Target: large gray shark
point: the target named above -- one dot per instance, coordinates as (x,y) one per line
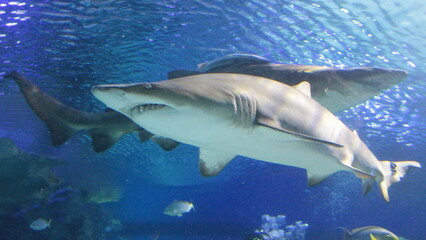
(335,88)
(231,114)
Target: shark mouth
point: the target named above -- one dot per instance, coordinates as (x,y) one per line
(139,109)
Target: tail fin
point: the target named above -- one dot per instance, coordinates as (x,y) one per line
(49,222)
(46,108)
(394,171)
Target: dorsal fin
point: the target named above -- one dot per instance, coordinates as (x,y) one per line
(231,61)
(212,162)
(304,87)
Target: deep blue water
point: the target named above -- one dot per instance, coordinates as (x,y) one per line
(65,47)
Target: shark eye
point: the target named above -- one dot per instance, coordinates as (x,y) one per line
(147,85)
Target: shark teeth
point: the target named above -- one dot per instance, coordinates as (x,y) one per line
(146,107)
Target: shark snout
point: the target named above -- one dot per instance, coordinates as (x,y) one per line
(106,88)
(110,95)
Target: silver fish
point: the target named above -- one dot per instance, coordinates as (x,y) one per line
(177,208)
(40,224)
(369,233)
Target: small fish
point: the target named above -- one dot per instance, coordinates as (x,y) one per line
(40,224)
(177,208)
(369,233)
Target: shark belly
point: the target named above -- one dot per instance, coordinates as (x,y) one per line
(221,135)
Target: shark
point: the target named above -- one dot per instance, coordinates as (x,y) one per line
(226,115)
(104,128)
(336,89)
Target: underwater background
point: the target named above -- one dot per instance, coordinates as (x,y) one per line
(66,47)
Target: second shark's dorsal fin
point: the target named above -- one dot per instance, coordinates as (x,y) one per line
(212,162)
(270,123)
(304,87)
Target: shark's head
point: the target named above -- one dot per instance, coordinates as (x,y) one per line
(135,99)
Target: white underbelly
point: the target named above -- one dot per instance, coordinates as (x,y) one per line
(259,142)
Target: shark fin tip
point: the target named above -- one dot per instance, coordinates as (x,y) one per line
(166,144)
(101,141)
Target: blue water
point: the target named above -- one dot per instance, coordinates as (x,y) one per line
(65,47)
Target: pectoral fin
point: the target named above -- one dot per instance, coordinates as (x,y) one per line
(166,144)
(359,173)
(103,140)
(270,123)
(314,179)
(212,162)
(144,135)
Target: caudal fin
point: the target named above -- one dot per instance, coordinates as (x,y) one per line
(47,109)
(394,171)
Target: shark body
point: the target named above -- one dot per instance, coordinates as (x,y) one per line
(336,89)
(226,115)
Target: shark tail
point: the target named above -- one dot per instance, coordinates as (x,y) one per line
(394,172)
(49,223)
(47,109)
